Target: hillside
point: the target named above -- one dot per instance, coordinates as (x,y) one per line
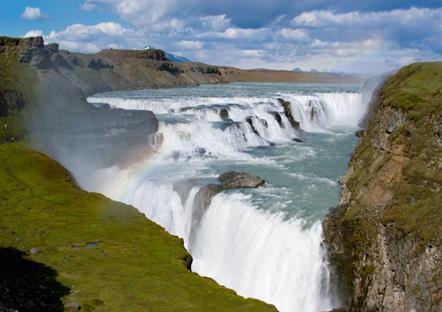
(61,246)
(385,237)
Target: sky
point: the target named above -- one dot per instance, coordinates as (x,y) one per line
(370,36)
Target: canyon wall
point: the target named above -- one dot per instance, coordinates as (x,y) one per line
(384,238)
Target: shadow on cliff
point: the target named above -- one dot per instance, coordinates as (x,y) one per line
(26,285)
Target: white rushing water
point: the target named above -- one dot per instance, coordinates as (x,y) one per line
(263,243)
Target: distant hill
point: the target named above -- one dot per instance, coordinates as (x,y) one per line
(172,57)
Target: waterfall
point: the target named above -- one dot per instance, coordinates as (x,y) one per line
(262,256)
(245,240)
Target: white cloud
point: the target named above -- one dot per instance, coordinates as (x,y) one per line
(293,34)
(407,17)
(252,53)
(137,12)
(215,22)
(33,33)
(31,13)
(324,40)
(190,45)
(81,31)
(246,33)
(92,38)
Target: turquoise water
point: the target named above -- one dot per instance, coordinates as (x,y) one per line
(302,177)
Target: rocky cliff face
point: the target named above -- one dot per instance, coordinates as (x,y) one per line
(385,237)
(58,118)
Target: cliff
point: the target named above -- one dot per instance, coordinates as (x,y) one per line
(385,237)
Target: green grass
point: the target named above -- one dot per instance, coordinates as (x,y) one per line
(416,89)
(21,79)
(136,266)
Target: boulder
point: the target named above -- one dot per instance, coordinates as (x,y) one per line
(234,179)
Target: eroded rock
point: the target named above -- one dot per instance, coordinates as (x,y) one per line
(234,179)
(229,180)
(288,113)
(224,114)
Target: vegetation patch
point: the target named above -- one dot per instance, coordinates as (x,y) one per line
(109,256)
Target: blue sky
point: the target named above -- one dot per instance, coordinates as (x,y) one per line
(353,36)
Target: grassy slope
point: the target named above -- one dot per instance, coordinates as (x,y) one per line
(21,78)
(136,265)
(416,206)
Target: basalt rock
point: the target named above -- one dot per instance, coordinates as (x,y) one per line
(249,120)
(313,113)
(278,118)
(288,113)
(229,180)
(234,179)
(224,114)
